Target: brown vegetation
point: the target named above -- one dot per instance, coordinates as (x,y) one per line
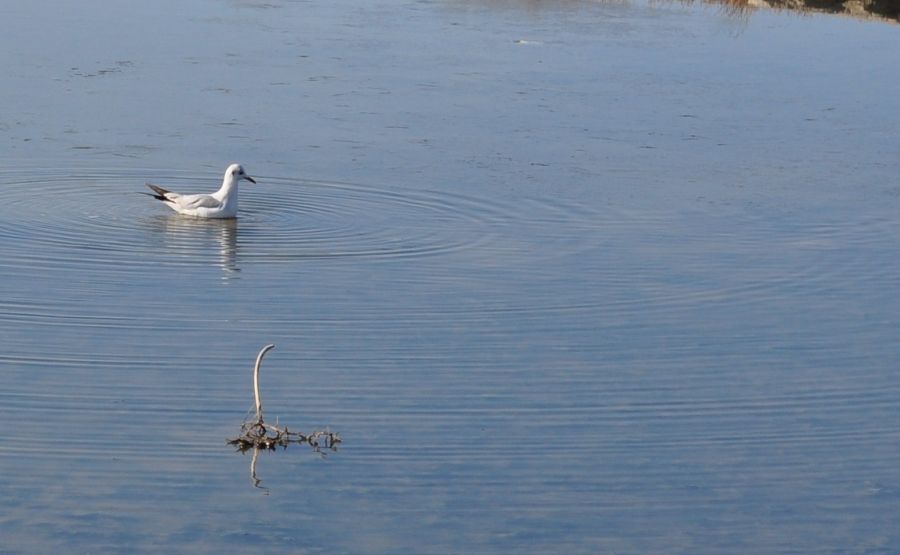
(882,9)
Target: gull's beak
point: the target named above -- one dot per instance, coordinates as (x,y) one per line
(250,179)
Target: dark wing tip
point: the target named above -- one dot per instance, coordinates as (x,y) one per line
(160,192)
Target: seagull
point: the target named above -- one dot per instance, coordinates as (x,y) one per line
(221,204)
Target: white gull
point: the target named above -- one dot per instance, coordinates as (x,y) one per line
(221,204)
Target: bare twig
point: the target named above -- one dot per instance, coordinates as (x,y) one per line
(259,357)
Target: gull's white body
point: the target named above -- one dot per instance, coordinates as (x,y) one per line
(221,204)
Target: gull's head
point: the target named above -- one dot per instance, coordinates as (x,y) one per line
(236,172)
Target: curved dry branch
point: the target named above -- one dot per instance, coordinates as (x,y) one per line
(259,357)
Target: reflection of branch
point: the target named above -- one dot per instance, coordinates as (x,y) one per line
(256,481)
(257,434)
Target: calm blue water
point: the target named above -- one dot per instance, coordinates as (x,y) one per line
(567,277)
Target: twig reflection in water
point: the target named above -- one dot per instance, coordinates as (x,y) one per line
(257,434)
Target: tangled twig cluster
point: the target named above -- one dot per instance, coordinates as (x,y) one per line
(266,436)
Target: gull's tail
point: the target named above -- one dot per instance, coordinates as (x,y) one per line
(160,192)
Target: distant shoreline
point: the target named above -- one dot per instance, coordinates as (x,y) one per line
(882,9)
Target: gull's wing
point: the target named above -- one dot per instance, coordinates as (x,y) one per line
(191,202)
(185,202)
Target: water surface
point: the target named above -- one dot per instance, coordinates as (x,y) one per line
(565,276)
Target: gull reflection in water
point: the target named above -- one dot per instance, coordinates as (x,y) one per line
(202,239)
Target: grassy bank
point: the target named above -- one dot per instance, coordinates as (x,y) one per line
(883,9)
